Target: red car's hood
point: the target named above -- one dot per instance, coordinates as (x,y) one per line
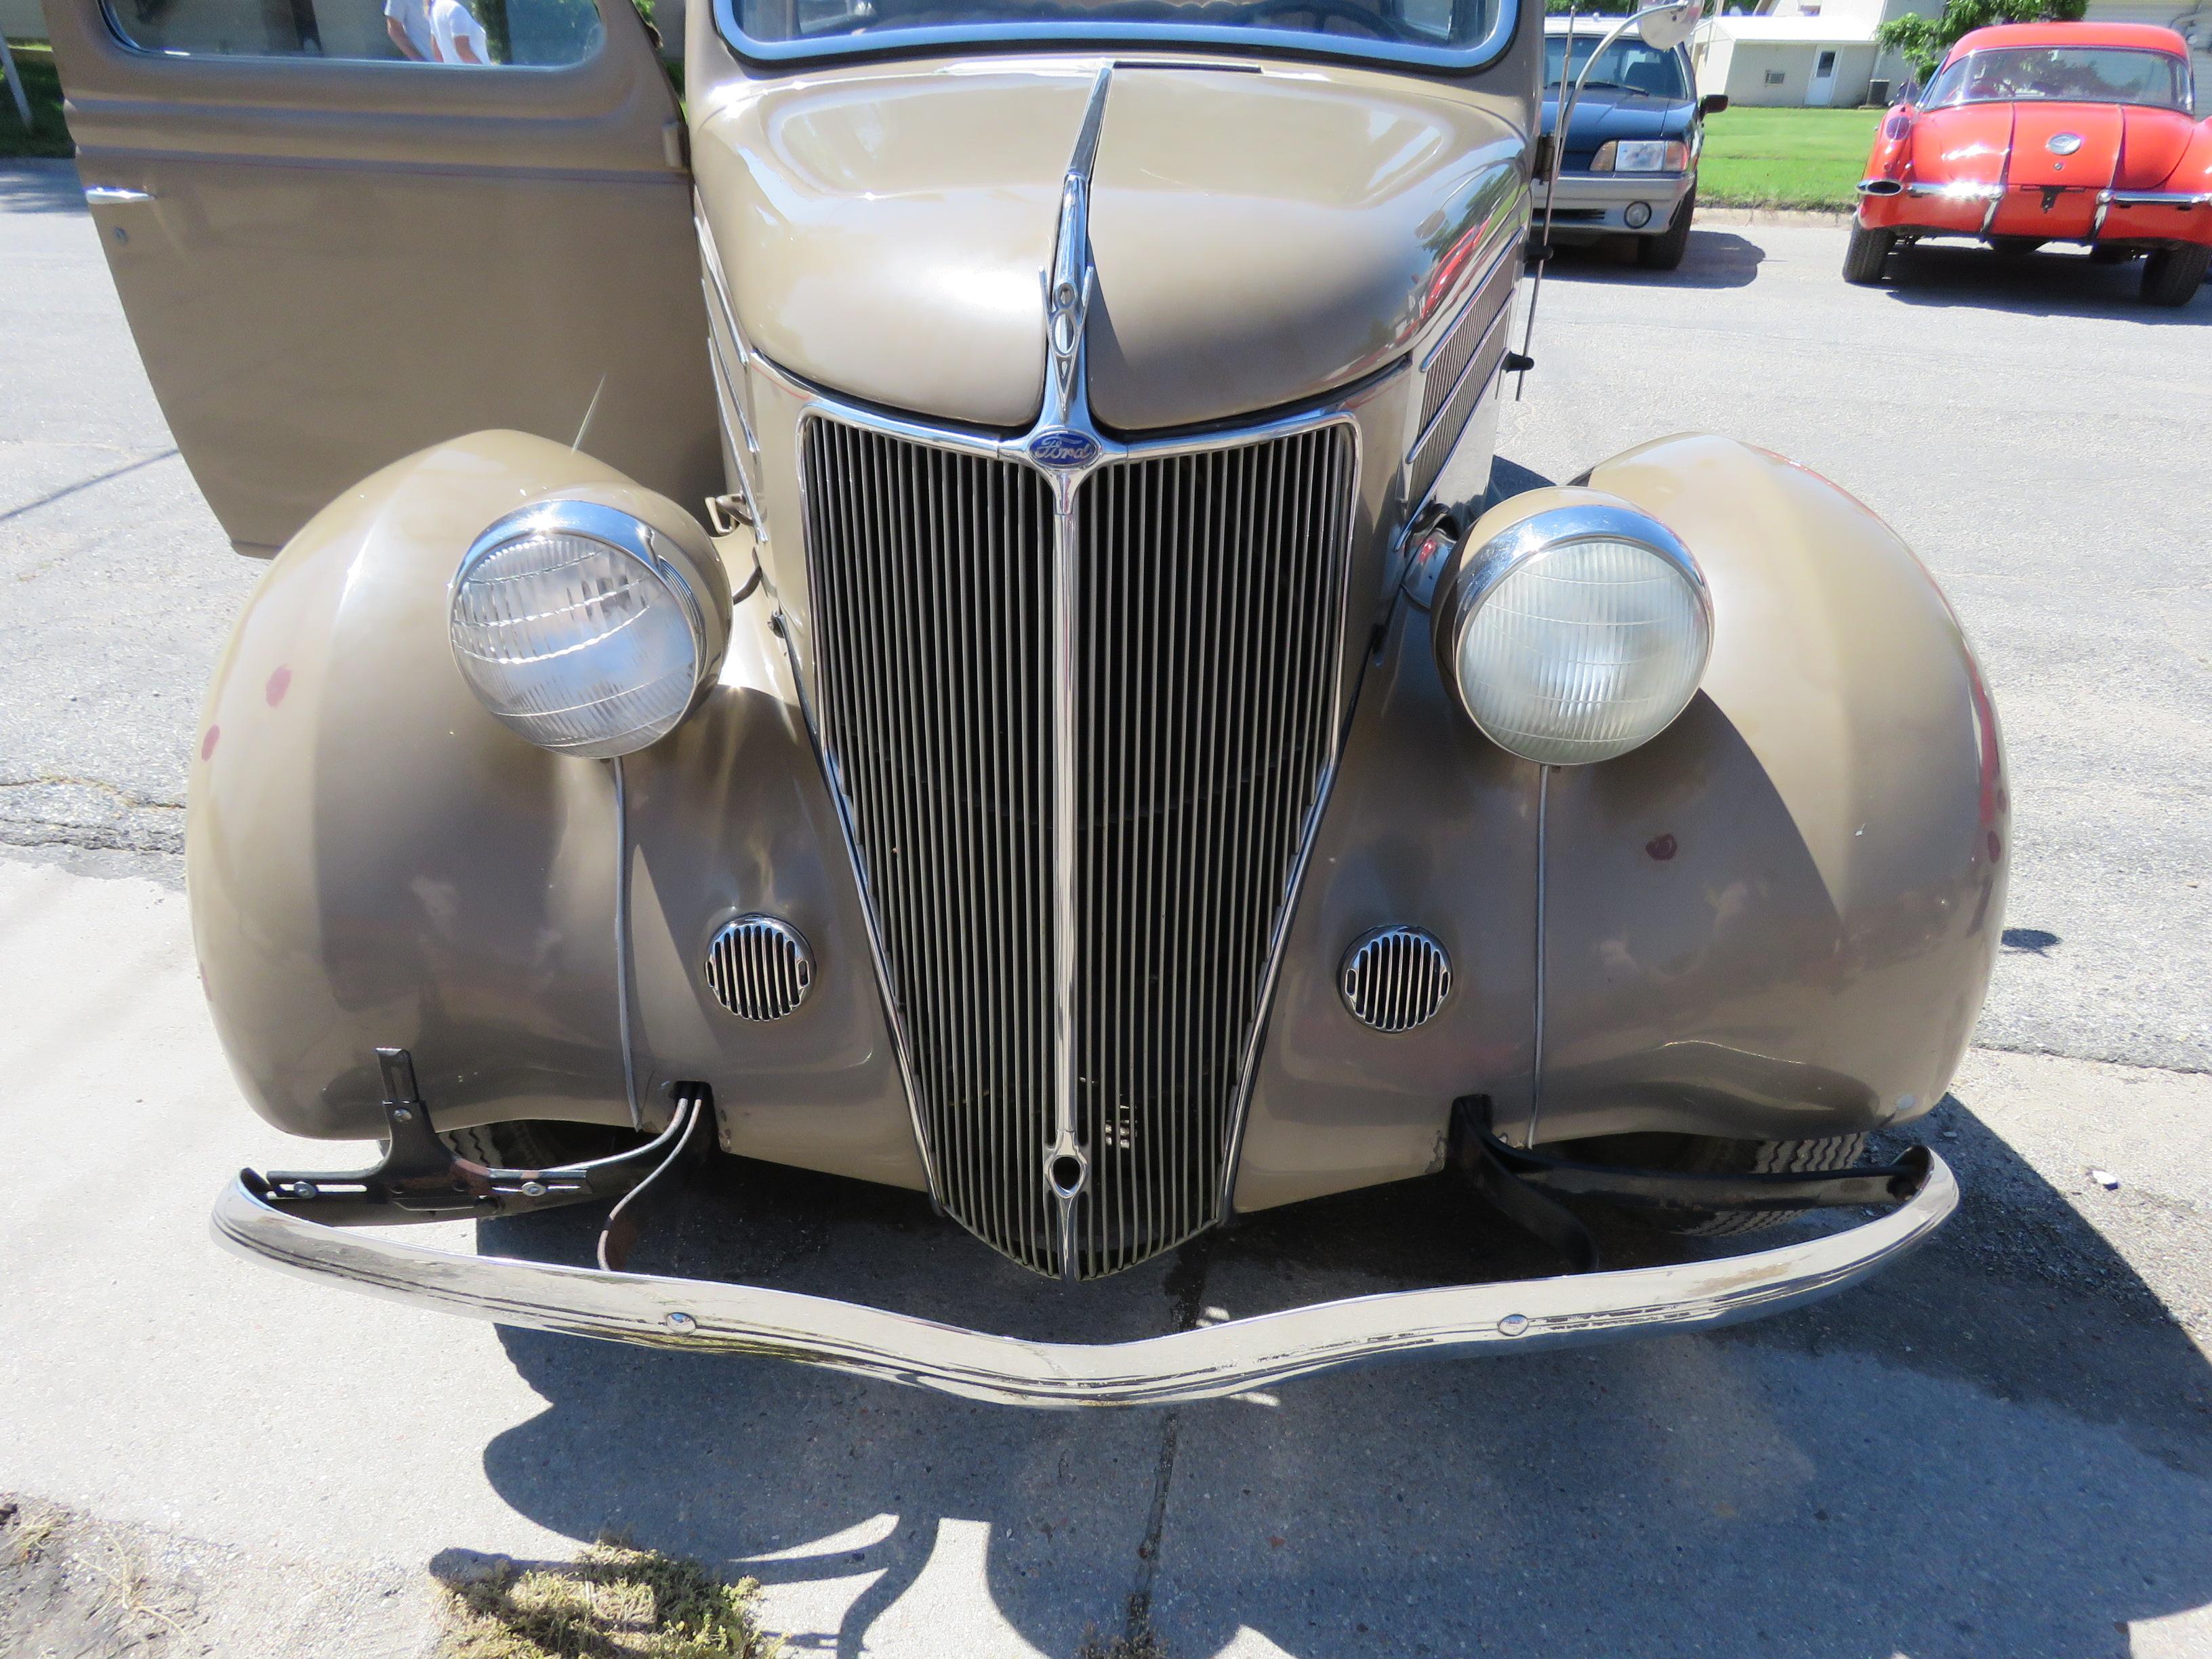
(2129,145)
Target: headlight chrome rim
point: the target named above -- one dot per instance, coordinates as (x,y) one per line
(676,570)
(1482,568)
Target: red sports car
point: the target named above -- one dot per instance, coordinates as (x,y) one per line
(2050,132)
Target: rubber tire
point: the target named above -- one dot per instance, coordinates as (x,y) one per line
(1866,256)
(2173,275)
(2109,253)
(534,1144)
(2017,247)
(1664,252)
(1703,1155)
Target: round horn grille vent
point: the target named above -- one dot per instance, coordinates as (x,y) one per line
(759,968)
(1396,978)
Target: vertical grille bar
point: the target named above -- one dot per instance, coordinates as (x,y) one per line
(929,572)
(1213,618)
(1208,593)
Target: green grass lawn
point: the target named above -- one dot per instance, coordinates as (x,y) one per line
(47,136)
(1786,157)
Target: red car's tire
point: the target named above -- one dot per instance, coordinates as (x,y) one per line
(2017,247)
(2173,275)
(2111,253)
(1868,256)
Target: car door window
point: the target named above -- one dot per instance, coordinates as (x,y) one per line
(460,33)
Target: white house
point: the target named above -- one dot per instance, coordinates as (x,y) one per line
(1806,53)
(2193,22)
(1822,52)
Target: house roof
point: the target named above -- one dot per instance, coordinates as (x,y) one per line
(1802,31)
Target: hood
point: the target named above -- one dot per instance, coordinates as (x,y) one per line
(1259,237)
(1603,114)
(2129,146)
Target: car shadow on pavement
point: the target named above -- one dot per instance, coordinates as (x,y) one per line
(2002,1444)
(39,187)
(1717,258)
(2049,282)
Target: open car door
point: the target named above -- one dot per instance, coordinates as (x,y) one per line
(346,229)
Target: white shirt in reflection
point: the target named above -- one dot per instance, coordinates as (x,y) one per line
(436,31)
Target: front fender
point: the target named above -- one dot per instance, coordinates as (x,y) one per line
(1775,920)
(372,860)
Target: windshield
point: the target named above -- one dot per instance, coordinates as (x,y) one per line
(1445,33)
(2082,75)
(1628,65)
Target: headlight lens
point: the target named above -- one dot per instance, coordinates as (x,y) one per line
(584,628)
(1576,632)
(1641,155)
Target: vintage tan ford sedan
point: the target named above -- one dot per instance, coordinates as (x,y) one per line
(938,612)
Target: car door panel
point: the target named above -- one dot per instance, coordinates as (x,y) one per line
(331,264)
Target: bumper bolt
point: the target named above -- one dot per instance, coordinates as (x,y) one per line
(681,1323)
(1513,1325)
(303,1189)
(533,1189)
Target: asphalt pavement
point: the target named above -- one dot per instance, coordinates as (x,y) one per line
(2001,1447)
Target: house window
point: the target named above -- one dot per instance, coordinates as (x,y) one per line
(1825,67)
(1775,77)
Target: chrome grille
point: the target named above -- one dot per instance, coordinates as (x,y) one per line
(759,968)
(1395,979)
(1208,633)
(930,572)
(1440,433)
(1451,356)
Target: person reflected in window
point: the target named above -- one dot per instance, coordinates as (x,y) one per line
(436,32)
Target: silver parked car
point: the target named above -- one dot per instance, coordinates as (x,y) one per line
(1629,162)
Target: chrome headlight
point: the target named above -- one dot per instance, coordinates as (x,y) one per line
(587,629)
(1575,631)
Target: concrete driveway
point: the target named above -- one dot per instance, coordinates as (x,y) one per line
(2004,1447)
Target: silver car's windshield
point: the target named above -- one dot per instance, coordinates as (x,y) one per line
(1628,65)
(1443,34)
(2084,75)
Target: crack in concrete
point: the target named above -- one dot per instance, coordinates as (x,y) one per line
(91,837)
(1185,1283)
(116,791)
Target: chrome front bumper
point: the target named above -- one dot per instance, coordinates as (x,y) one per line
(700,1316)
(1597,202)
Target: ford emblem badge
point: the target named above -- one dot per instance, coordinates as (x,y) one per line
(2063,143)
(1060,448)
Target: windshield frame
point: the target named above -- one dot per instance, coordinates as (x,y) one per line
(1024,40)
(2186,71)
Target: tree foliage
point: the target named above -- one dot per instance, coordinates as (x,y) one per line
(1922,41)
(1591,8)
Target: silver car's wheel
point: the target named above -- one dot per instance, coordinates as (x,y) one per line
(1664,252)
